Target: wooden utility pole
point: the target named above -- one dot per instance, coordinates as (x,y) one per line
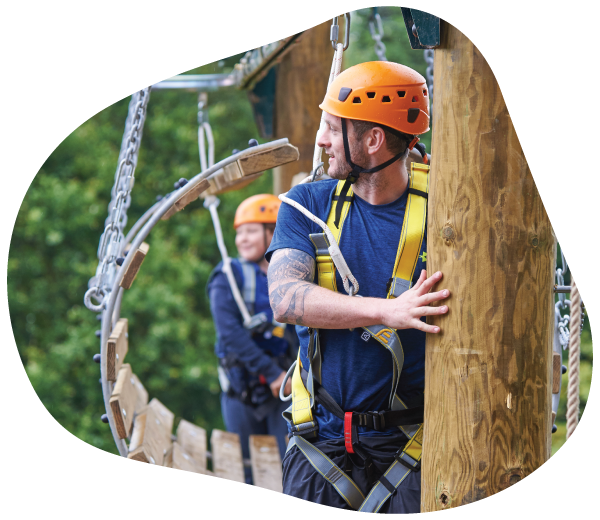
(488,373)
(302,79)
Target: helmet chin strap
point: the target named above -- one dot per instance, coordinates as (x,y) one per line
(357,170)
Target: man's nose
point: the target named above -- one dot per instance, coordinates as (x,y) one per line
(323,139)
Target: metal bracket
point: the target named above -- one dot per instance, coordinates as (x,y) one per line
(423,28)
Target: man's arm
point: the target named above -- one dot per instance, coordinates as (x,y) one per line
(295,299)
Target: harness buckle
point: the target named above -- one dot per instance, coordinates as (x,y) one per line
(378,419)
(407,461)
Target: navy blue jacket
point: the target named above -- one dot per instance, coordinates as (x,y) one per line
(254,352)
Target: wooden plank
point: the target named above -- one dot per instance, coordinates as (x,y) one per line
(186,199)
(123,400)
(227,455)
(180,459)
(262,161)
(247,169)
(192,439)
(141,394)
(556,372)
(266,462)
(488,372)
(154,442)
(134,266)
(116,349)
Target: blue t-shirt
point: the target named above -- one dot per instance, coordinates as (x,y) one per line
(357,374)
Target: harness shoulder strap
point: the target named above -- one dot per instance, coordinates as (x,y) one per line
(249,284)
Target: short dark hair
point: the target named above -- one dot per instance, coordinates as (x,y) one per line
(396,142)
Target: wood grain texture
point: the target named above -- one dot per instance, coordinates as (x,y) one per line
(141,394)
(302,79)
(178,458)
(266,462)
(227,455)
(116,349)
(192,439)
(134,267)
(488,373)
(152,434)
(556,372)
(123,400)
(186,199)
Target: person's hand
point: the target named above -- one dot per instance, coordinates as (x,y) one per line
(276,385)
(405,311)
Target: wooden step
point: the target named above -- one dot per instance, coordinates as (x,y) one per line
(134,267)
(192,439)
(186,199)
(227,455)
(178,458)
(266,462)
(116,349)
(151,436)
(123,400)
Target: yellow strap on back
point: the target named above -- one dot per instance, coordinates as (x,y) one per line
(301,405)
(413,227)
(414,447)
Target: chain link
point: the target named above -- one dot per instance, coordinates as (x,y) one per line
(376,30)
(562,305)
(111,240)
(428,55)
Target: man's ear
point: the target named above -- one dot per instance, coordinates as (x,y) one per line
(375,140)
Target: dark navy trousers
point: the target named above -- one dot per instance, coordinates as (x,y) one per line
(301,480)
(240,418)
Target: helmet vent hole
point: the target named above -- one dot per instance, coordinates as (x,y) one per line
(401,93)
(356,100)
(386,99)
(425,92)
(415,99)
(370,95)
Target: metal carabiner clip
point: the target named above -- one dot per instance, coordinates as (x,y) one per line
(335,32)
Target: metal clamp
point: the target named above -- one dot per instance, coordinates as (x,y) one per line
(335,32)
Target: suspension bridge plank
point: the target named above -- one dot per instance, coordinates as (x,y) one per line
(152,434)
(266,462)
(123,401)
(192,439)
(262,161)
(134,266)
(186,199)
(227,455)
(116,349)
(178,458)
(141,394)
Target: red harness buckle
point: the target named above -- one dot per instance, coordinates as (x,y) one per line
(348,432)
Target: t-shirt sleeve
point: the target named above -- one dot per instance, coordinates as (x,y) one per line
(293,227)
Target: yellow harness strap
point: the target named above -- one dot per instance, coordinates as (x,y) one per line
(301,398)
(413,229)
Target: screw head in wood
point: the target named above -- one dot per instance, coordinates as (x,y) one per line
(98,333)
(554,428)
(104,418)
(159,198)
(96,358)
(182,182)
(563,369)
(119,261)
(252,142)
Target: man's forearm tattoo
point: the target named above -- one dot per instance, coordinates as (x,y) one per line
(291,274)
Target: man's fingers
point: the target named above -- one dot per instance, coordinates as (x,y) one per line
(431,311)
(426,286)
(418,324)
(422,278)
(428,298)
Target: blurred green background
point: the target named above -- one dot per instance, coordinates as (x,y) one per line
(55,239)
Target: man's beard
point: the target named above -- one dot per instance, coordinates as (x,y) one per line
(342,168)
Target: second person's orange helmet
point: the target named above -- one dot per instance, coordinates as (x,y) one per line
(381,92)
(261,209)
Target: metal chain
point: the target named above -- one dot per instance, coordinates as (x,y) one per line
(562,308)
(377,34)
(428,55)
(111,240)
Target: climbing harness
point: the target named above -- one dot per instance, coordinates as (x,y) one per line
(306,385)
(111,241)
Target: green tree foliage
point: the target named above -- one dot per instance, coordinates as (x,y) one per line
(55,239)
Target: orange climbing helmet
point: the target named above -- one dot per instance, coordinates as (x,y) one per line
(381,92)
(261,208)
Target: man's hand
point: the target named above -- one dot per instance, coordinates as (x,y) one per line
(276,385)
(405,311)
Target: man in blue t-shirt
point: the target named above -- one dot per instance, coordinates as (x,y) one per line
(373,113)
